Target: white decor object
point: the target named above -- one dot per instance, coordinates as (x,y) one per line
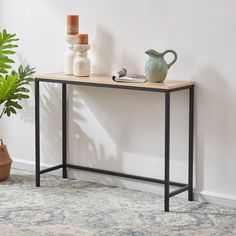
(81,62)
(70,54)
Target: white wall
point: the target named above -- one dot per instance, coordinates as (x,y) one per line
(123,130)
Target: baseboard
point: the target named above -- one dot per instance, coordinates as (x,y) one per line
(30,166)
(218,198)
(99,178)
(203,196)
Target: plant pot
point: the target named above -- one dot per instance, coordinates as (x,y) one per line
(5,162)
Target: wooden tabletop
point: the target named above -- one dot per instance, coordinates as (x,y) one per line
(106,81)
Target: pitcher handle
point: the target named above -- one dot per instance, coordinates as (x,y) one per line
(174,59)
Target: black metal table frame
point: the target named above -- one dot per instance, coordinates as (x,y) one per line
(167,194)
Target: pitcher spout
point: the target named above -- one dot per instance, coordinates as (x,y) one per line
(152,52)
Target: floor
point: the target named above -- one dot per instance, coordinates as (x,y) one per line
(70,207)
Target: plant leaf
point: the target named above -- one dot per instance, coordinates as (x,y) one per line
(6,49)
(13,85)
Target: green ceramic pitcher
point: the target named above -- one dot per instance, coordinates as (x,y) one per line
(156,67)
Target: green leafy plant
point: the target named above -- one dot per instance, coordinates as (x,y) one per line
(13,85)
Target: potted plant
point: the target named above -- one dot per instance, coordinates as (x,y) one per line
(13,89)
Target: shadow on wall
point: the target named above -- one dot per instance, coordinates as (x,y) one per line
(103,52)
(27,113)
(117,133)
(85,147)
(50,121)
(215,137)
(50,125)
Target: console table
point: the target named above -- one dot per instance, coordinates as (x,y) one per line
(167,88)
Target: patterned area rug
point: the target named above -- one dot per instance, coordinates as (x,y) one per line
(70,207)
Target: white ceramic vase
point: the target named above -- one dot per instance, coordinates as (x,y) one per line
(81,66)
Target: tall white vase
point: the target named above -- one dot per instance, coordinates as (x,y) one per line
(81,62)
(70,54)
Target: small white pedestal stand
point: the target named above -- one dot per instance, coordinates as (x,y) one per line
(81,62)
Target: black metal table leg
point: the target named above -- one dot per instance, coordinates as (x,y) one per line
(190,155)
(64,132)
(167,150)
(37,134)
